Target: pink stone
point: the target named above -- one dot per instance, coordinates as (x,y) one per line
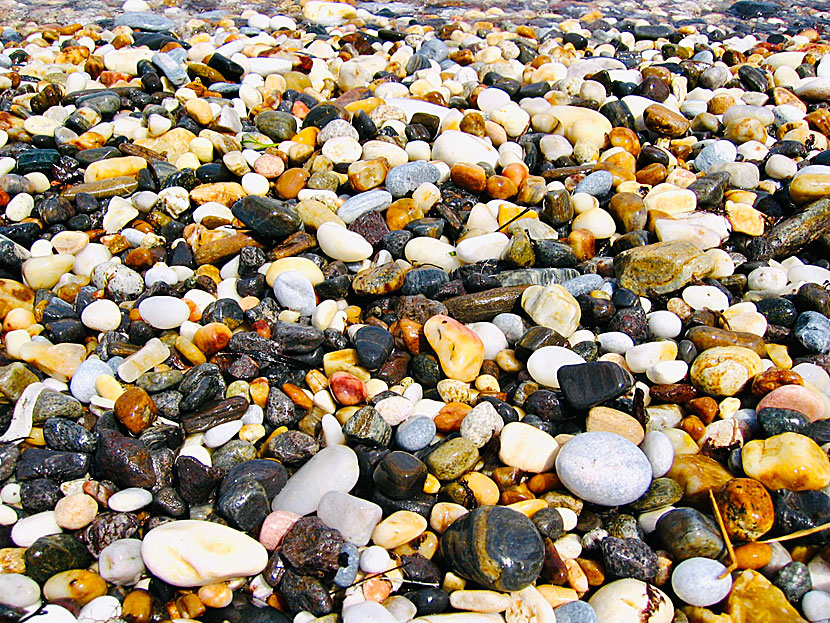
(274,527)
(269,166)
(347,388)
(794,397)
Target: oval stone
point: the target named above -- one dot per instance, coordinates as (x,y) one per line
(603,468)
(495,547)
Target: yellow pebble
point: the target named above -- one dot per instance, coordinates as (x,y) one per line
(528,508)
(431,484)
(506,360)
(259,388)
(779,355)
(487,383)
(307,136)
(728,407)
(108,387)
(238,388)
(453,582)
(252,432)
(189,351)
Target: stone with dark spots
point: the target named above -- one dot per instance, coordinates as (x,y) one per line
(629,558)
(494,546)
(312,548)
(107,528)
(304,593)
(245,504)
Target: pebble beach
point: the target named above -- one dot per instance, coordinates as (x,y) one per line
(429,312)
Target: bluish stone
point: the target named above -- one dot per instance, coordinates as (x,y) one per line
(346,574)
(363,202)
(575,612)
(583,284)
(597,184)
(405,178)
(425,280)
(718,151)
(434,49)
(415,433)
(812,329)
(588,384)
(145,21)
(171,68)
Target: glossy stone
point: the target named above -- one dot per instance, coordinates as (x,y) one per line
(593,383)
(495,547)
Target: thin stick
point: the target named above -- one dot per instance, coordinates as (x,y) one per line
(799,534)
(726,539)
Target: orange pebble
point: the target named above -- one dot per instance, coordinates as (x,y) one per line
(215,595)
(517,171)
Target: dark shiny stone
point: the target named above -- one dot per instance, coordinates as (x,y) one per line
(40,494)
(55,553)
(778,311)
(399,475)
(368,427)
(801,510)
(557,207)
(63,434)
(429,600)
(495,547)
(373,345)
(322,114)
(268,217)
(426,370)
(52,464)
(549,523)
(687,533)
(426,227)
(535,338)
(631,321)
(215,413)
(588,384)
(107,528)
(661,492)
(293,447)
(305,593)
(794,580)
(40,160)
(233,453)
(752,78)
(124,460)
(245,504)
(196,480)
(545,404)
(776,421)
(653,88)
(55,209)
(9,455)
(553,254)
(628,558)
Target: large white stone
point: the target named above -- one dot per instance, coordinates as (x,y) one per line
(543,365)
(354,517)
(195,552)
(454,146)
(332,469)
(341,244)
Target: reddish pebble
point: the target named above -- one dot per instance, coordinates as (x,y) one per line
(269,166)
(347,388)
(274,527)
(794,397)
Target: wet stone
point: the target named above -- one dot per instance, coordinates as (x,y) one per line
(495,547)
(629,558)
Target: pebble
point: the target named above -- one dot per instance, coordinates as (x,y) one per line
(603,468)
(698,582)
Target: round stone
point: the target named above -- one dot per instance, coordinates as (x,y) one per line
(102,315)
(603,468)
(698,581)
(120,562)
(164,312)
(18,591)
(631,601)
(494,546)
(76,511)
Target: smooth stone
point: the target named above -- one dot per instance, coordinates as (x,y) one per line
(795,398)
(812,329)
(688,533)
(631,601)
(120,562)
(29,529)
(527,448)
(353,517)
(18,591)
(543,364)
(164,312)
(453,146)
(195,553)
(603,468)
(724,370)
(659,450)
(495,547)
(697,581)
(332,469)
(754,599)
(787,461)
(662,267)
(552,306)
(460,350)
(341,244)
(588,384)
